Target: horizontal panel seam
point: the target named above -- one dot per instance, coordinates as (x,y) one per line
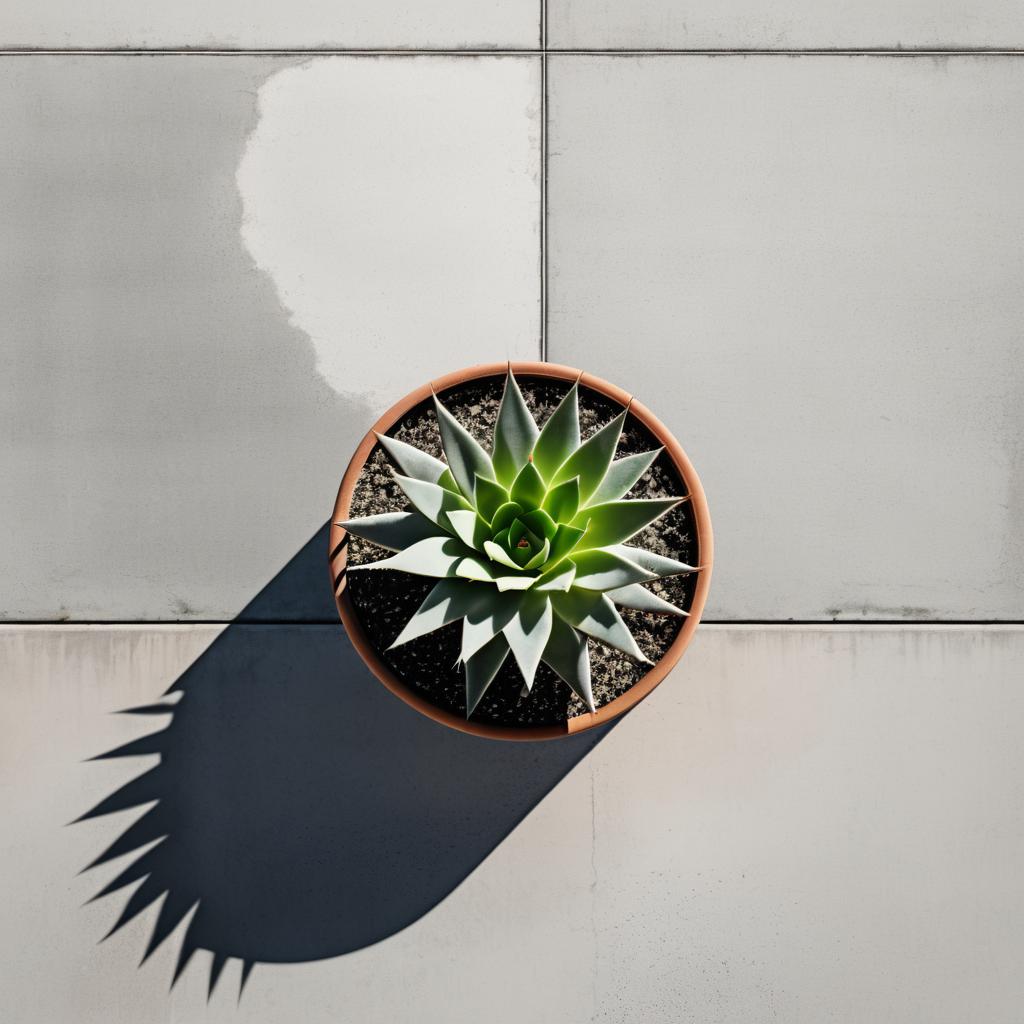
(127,51)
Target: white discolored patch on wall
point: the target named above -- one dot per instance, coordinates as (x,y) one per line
(395,203)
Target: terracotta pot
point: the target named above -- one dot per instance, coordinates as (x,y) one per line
(338,551)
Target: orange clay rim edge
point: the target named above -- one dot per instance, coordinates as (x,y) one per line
(338,554)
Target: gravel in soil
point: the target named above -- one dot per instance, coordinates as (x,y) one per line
(386,600)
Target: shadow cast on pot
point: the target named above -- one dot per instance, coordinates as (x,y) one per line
(305,810)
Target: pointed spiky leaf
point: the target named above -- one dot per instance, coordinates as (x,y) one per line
(606,570)
(505,516)
(567,538)
(481,670)
(558,579)
(435,556)
(657,564)
(411,461)
(469,528)
(594,614)
(528,487)
(636,596)
(488,572)
(621,476)
(504,583)
(527,634)
(496,553)
(616,521)
(466,459)
(489,497)
(393,530)
(486,621)
(447,481)
(515,434)
(432,500)
(450,599)
(563,500)
(566,653)
(540,557)
(559,437)
(540,523)
(591,460)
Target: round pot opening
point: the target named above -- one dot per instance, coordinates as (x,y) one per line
(374,606)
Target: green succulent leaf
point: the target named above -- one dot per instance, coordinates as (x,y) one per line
(594,613)
(505,516)
(466,459)
(591,460)
(489,497)
(616,521)
(469,528)
(481,670)
(472,568)
(540,523)
(605,570)
(527,634)
(621,476)
(394,530)
(515,434)
(504,583)
(540,557)
(558,579)
(451,599)
(563,500)
(566,540)
(497,553)
(435,556)
(411,461)
(522,543)
(528,487)
(636,596)
(447,481)
(431,500)
(566,652)
(657,564)
(485,621)
(559,437)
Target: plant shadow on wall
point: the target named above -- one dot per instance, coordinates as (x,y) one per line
(307,811)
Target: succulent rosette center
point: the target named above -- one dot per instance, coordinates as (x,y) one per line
(527,541)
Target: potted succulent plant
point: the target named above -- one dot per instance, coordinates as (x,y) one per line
(520,550)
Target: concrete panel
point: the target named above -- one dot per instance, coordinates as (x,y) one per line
(792,24)
(810,268)
(802,823)
(215,274)
(268,24)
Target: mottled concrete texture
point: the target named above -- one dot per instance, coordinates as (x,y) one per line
(269,24)
(801,824)
(176,418)
(810,268)
(789,24)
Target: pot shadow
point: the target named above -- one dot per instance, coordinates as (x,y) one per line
(306,810)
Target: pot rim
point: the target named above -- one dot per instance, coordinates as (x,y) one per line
(338,553)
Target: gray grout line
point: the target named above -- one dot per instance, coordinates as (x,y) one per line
(544,181)
(543,52)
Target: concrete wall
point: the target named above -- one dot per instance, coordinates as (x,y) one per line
(228,240)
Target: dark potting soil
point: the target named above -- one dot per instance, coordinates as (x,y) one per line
(386,600)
